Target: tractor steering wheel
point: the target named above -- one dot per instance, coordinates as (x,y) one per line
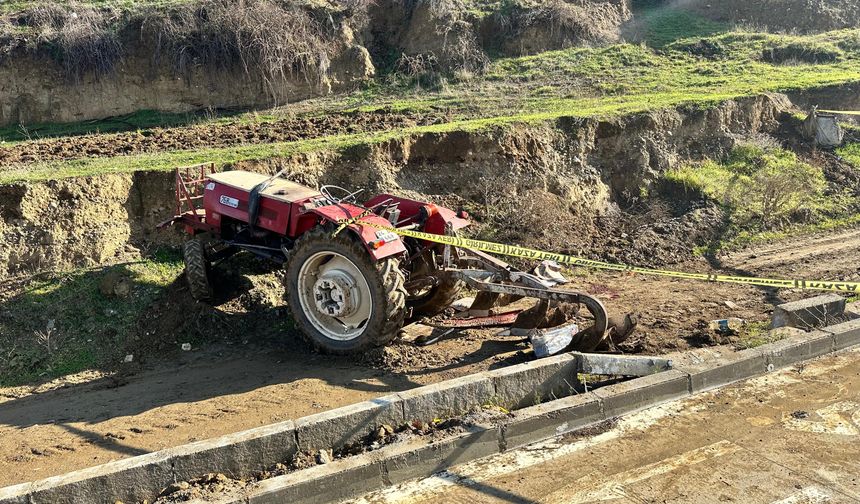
(347,195)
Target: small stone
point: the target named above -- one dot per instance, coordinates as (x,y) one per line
(732,305)
(122,289)
(324,457)
(176,487)
(128,358)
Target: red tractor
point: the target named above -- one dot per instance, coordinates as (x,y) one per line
(349,287)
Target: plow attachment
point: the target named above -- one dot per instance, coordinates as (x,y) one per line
(561,321)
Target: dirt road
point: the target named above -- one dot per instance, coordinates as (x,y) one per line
(789,437)
(90,419)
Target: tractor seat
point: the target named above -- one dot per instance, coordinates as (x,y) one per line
(280,189)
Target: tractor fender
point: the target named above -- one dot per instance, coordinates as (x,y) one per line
(367,234)
(441,219)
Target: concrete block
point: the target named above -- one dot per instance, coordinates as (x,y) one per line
(446,399)
(16,494)
(418,459)
(621,365)
(846,334)
(409,460)
(739,366)
(129,480)
(796,348)
(236,455)
(646,391)
(341,479)
(342,426)
(550,419)
(809,313)
(477,442)
(541,380)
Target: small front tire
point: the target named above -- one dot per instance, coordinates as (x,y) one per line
(197,270)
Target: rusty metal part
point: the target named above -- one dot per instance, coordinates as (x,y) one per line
(497,281)
(501,319)
(483,281)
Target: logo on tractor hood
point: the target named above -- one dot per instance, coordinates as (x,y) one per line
(228,201)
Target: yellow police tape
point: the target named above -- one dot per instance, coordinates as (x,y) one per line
(841,112)
(539,255)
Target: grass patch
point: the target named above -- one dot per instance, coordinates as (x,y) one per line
(850,153)
(14,6)
(767,194)
(660,26)
(755,334)
(143,119)
(62,323)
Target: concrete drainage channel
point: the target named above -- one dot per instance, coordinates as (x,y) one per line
(241,454)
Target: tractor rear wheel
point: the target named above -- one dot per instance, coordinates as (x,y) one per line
(197,270)
(342,299)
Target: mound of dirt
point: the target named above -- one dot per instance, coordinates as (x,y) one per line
(788,15)
(530,28)
(450,35)
(801,53)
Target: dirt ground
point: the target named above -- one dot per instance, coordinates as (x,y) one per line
(246,381)
(788,437)
(232,133)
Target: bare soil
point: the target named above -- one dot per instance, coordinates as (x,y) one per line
(207,136)
(254,371)
(786,437)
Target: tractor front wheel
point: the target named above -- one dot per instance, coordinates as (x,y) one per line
(342,299)
(197,270)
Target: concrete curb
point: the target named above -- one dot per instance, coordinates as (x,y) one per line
(532,424)
(240,454)
(139,478)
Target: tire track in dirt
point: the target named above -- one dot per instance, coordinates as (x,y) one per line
(831,256)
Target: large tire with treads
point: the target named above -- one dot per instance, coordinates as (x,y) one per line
(197,270)
(343,300)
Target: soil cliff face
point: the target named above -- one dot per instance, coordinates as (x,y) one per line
(574,169)
(35,86)
(35,90)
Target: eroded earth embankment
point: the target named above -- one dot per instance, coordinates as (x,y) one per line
(572,168)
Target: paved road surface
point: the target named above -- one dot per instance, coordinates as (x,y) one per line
(791,437)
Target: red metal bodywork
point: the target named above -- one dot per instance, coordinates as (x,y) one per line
(440,217)
(275,215)
(203,204)
(366,232)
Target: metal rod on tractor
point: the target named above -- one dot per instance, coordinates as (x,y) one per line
(351,285)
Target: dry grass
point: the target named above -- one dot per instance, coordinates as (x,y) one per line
(82,39)
(556,24)
(268,40)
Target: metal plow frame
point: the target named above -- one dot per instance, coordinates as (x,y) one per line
(485,273)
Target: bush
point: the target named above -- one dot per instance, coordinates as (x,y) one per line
(781,188)
(762,187)
(264,39)
(82,39)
